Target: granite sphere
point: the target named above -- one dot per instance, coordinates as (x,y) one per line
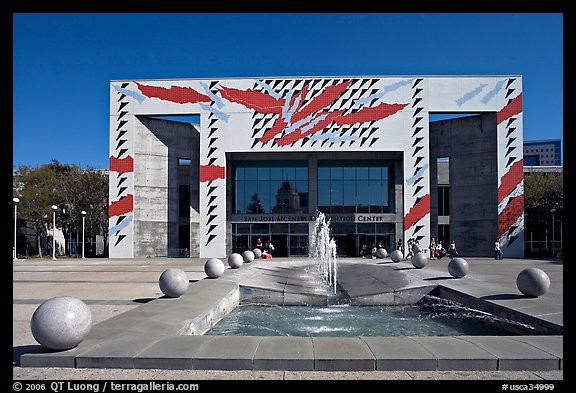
(381,253)
(214,268)
(533,282)
(248,256)
(419,260)
(235,260)
(173,282)
(396,256)
(257,253)
(458,267)
(61,322)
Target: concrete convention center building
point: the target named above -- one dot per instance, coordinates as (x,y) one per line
(268,152)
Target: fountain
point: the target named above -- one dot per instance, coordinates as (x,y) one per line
(322,250)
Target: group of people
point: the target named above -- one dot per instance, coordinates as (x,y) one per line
(436,249)
(266,249)
(373,252)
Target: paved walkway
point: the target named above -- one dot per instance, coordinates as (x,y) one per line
(114,287)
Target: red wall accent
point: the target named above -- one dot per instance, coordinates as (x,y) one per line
(513,108)
(417,211)
(181,95)
(510,214)
(122,206)
(122,165)
(211,172)
(511,179)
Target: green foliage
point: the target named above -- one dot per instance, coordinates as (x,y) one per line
(70,188)
(543,191)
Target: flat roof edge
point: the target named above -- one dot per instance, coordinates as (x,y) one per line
(323,77)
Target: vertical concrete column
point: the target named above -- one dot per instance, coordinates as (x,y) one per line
(312,185)
(399,199)
(122,172)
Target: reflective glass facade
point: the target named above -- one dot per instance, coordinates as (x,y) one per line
(355,187)
(265,187)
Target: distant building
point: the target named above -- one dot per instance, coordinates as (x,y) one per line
(542,152)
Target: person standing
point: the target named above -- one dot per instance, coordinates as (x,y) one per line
(432,248)
(410,252)
(452,251)
(364,250)
(259,244)
(399,246)
(497,250)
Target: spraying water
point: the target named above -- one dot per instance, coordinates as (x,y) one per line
(322,249)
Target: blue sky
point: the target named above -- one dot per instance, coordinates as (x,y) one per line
(63,63)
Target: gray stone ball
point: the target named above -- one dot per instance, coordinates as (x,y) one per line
(248,256)
(214,268)
(419,260)
(235,260)
(381,253)
(173,282)
(61,322)
(396,256)
(257,253)
(533,282)
(458,267)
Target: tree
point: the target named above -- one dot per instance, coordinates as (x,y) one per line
(255,206)
(70,188)
(543,191)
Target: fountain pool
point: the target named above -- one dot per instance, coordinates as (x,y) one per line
(351,321)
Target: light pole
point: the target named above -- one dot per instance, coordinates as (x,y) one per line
(552,211)
(83,222)
(14,253)
(54,208)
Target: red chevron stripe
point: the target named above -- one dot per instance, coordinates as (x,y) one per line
(511,179)
(122,206)
(181,95)
(510,214)
(211,172)
(513,108)
(122,165)
(417,211)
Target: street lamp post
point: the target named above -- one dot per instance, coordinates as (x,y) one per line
(553,211)
(54,208)
(14,252)
(83,223)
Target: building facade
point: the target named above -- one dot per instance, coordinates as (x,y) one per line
(270,152)
(547,152)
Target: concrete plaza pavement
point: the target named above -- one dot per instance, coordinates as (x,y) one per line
(114,286)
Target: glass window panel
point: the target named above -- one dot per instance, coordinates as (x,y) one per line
(261,229)
(302,185)
(251,173)
(336,192)
(279,228)
(275,173)
(366,228)
(385,173)
(349,193)
(263,173)
(375,196)
(385,228)
(336,173)
(323,173)
(375,173)
(323,192)
(253,204)
(362,193)
(349,173)
(243,228)
(239,173)
(264,195)
(289,173)
(298,228)
(362,173)
(240,200)
(301,173)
